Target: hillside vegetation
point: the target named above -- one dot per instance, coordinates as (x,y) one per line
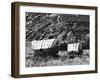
(47,25)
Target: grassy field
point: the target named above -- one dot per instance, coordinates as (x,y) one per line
(64,59)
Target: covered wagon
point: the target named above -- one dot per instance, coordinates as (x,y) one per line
(50,48)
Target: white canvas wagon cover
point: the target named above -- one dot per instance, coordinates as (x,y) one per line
(48,43)
(42,44)
(73,47)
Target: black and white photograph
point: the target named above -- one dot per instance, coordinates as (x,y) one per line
(54,39)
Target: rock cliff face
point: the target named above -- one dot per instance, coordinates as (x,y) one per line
(41,26)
